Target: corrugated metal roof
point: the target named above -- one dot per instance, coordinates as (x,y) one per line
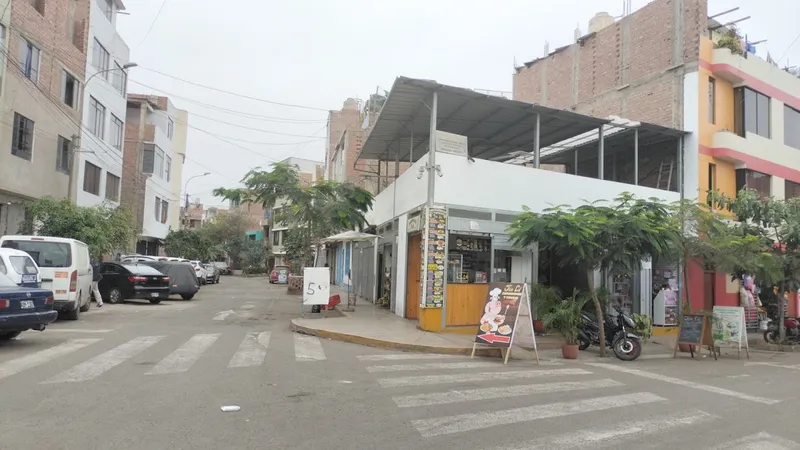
(493,125)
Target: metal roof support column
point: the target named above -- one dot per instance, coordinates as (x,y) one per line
(432,150)
(537,153)
(411,149)
(575,163)
(636,157)
(680,167)
(601,154)
(378,186)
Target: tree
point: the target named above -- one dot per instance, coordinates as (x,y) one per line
(188,243)
(598,236)
(104,229)
(297,245)
(322,209)
(225,234)
(255,257)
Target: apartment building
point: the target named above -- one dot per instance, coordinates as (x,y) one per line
(194,216)
(310,172)
(42,77)
(152,147)
(99,165)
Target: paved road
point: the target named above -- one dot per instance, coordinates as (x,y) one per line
(141,376)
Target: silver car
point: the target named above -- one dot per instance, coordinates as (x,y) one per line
(212,273)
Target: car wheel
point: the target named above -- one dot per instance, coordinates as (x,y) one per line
(88,305)
(10,335)
(72,315)
(187,296)
(155,301)
(115,296)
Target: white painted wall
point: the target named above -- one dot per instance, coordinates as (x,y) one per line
(411,192)
(152,227)
(506,187)
(95,149)
(179,142)
(691,144)
(759,69)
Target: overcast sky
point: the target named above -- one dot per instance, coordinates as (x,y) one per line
(317,53)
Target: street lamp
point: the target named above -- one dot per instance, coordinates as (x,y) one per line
(124,67)
(186,191)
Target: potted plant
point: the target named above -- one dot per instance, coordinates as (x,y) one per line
(543,298)
(564,317)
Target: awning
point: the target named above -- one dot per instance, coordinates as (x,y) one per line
(350,236)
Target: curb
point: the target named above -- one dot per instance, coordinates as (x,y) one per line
(402,346)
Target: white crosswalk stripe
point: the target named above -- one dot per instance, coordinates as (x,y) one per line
(252,351)
(185,356)
(308,348)
(542,389)
(26,362)
(103,362)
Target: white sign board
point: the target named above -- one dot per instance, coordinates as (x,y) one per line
(728,328)
(454,144)
(316,285)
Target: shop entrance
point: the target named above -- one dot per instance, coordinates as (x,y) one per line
(413,274)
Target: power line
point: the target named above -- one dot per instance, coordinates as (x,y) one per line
(271,102)
(790,47)
(153,23)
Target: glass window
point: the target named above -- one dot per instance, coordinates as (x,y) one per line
(119,78)
(792,189)
(22,141)
(100,58)
(757,181)
(46,254)
(167,168)
(97,117)
(158,163)
(712,94)
(791,127)
(3,267)
(112,187)
(164,210)
(751,112)
(69,90)
(107,7)
(23,265)
(91,178)
(117,128)
(148,158)
(469,259)
(29,60)
(62,155)
(158,209)
(170,128)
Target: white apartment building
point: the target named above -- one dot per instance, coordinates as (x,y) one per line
(98,163)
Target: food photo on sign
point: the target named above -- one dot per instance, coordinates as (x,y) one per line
(499,313)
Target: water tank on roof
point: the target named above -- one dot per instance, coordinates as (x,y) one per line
(600,21)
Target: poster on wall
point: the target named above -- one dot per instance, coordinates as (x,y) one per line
(433,254)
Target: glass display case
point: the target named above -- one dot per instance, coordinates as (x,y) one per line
(455,268)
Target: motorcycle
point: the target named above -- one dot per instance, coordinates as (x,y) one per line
(773,333)
(625,345)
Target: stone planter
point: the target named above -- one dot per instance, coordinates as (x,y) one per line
(295,285)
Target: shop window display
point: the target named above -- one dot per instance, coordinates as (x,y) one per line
(469,259)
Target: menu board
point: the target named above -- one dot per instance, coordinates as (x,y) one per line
(692,329)
(433,258)
(500,314)
(728,329)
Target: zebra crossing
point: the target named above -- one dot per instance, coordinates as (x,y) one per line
(465,400)
(252,351)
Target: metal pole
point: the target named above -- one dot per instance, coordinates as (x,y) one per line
(432,150)
(636,157)
(575,163)
(536,150)
(680,167)
(601,155)
(411,149)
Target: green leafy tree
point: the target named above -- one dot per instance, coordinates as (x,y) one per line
(323,209)
(104,229)
(255,257)
(600,235)
(188,243)
(225,234)
(297,245)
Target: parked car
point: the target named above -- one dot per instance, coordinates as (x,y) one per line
(212,273)
(182,278)
(138,258)
(279,274)
(23,308)
(126,281)
(20,268)
(199,271)
(223,267)
(65,269)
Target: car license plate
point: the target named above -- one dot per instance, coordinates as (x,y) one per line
(26,304)
(29,278)
(154,295)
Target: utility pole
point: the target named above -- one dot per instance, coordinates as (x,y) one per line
(186,212)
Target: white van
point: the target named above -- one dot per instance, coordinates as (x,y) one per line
(20,268)
(65,269)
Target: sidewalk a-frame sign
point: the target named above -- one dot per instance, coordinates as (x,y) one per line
(506,319)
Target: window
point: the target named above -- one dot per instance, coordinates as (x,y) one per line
(158,163)
(29,60)
(119,78)
(22,141)
(69,90)
(277,237)
(712,95)
(167,168)
(97,117)
(170,128)
(62,155)
(791,127)
(792,189)
(751,112)
(38,5)
(91,178)
(117,128)
(148,158)
(158,209)
(164,211)
(107,7)
(100,58)
(112,187)
(712,176)
(757,181)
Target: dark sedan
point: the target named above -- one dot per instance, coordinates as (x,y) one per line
(126,281)
(23,309)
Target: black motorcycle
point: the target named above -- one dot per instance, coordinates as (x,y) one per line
(626,346)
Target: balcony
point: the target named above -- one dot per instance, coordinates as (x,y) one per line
(755,152)
(754,72)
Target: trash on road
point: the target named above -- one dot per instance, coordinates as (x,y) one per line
(230,408)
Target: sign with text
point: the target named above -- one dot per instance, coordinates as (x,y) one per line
(500,314)
(729,329)
(433,258)
(454,144)
(316,285)
(693,328)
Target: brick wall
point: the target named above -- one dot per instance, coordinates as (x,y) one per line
(133,181)
(633,68)
(338,122)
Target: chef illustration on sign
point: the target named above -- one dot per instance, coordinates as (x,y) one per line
(493,307)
